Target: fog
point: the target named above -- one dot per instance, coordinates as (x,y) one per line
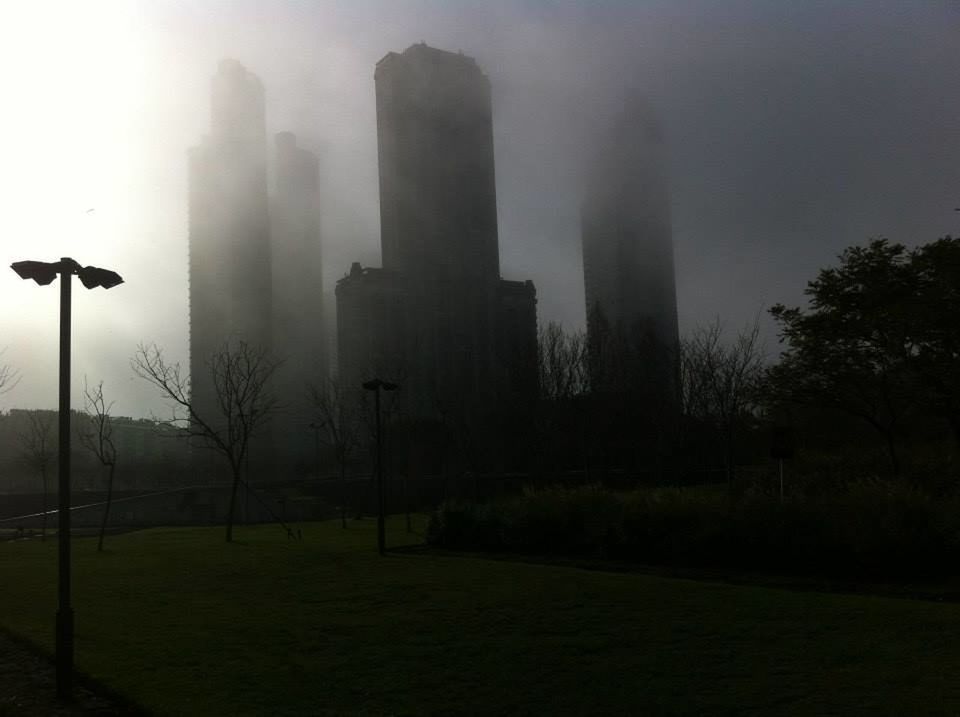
(793,131)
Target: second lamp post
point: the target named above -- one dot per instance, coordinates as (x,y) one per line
(376,385)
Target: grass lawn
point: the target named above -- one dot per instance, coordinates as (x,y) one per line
(182,623)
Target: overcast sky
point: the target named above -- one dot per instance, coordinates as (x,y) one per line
(794,129)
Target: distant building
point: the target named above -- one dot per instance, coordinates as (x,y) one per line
(298,326)
(229,229)
(628,262)
(372,315)
(517,341)
(438,199)
(149,454)
(437,317)
(255,261)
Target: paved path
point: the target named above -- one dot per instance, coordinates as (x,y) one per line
(27,687)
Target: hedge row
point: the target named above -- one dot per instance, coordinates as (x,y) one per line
(874,530)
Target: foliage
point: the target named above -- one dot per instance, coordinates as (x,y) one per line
(879,340)
(870,529)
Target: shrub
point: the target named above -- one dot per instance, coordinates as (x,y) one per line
(868,528)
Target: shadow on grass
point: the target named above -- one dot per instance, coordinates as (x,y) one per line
(90,697)
(932,592)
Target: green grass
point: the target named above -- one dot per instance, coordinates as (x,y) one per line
(182,623)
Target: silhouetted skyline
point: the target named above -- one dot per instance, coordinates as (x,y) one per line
(794,132)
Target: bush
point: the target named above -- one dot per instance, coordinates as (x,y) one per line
(869,528)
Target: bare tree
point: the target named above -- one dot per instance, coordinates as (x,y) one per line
(562,374)
(720,380)
(39,451)
(338,416)
(241,375)
(96,435)
(8,377)
(561,362)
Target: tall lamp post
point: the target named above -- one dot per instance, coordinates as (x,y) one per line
(90,276)
(376,385)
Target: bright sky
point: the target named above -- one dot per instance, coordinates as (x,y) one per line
(73,182)
(794,130)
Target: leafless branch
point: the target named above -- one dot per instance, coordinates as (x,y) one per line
(96,433)
(241,374)
(9,377)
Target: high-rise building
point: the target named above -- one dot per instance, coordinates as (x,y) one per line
(438,199)
(469,338)
(229,229)
(628,261)
(298,327)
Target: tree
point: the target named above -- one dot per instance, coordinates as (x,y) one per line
(563,377)
(96,435)
(934,326)
(39,452)
(879,339)
(8,377)
(241,376)
(720,381)
(562,367)
(338,416)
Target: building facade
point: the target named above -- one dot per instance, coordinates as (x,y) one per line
(255,262)
(229,230)
(462,325)
(628,262)
(298,335)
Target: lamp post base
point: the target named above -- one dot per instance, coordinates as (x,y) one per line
(64,658)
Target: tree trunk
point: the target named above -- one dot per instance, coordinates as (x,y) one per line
(406,502)
(343,493)
(890,440)
(106,510)
(233,503)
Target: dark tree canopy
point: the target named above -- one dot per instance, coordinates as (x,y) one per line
(880,338)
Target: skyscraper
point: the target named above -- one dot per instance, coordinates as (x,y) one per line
(438,199)
(298,331)
(628,261)
(229,232)
(469,337)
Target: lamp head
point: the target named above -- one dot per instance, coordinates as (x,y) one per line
(91,277)
(44,272)
(41,272)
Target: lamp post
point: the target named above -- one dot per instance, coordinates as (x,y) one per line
(376,385)
(90,276)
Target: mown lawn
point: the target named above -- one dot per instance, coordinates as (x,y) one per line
(182,623)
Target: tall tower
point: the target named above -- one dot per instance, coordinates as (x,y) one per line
(438,219)
(229,232)
(438,199)
(298,335)
(628,261)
